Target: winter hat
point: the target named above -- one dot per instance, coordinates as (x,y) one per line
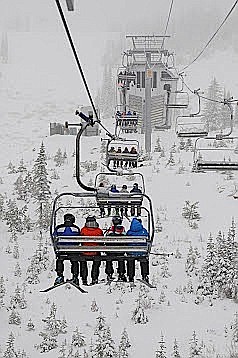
(90,219)
(117,220)
(69,218)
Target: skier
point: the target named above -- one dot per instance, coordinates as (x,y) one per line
(113,189)
(68,228)
(126,152)
(137,229)
(102,191)
(137,190)
(91,228)
(124,208)
(117,229)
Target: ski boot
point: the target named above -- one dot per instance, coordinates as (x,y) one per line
(75,280)
(122,277)
(94,281)
(58,280)
(146,278)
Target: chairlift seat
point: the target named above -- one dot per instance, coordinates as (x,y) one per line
(119,198)
(123,156)
(68,246)
(216,165)
(126,77)
(187,134)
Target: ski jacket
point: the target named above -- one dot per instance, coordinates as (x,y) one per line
(114,190)
(67,230)
(136,190)
(137,229)
(91,231)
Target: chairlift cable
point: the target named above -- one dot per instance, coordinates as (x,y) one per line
(215,33)
(76,55)
(167,23)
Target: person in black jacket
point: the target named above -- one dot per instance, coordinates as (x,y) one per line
(68,228)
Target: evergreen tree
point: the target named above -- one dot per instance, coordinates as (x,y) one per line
(161,352)
(94,306)
(48,343)
(22,167)
(171,161)
(10,349)
(11,168)
(195,349)
(4,48)
(78,339)
(138,315)
(40,177)
(2,287)
(30,325)
(14,317)
(234,327)
(175,353)
(124,345)
(58,158)
(213,110)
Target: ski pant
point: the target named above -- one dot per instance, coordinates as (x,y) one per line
(60,267)
(121,268)
(94,271)
(144,268)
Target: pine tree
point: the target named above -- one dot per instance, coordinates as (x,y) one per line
(10,349)
(30,325)
(213,110)
(94,306)
(78,339)
(161,352)
(20,188)
(2,287)
(48,343)
(171,161)
(4,48)
(11,168)
(40,180)
(22,167)
(195,349)
(58,158)
(124,345)
(14,318)
(138,315)
(175,353)
(234,327)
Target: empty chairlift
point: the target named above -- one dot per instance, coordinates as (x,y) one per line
(215,154)
(191,127)
(176,99)
(70,5)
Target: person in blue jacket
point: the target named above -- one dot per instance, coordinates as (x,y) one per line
(137,229)
(68,228)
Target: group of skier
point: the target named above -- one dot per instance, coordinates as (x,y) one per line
(123,207)
(91,228)
(122,158)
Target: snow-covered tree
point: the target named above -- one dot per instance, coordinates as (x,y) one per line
(161,351)
(175,353)
(59,158)
(14,317)
(78,339)
(213,110)
(139,315)
(48,343)
(30,325)
(94,306)
(124,345)
(195,348)
(10,349)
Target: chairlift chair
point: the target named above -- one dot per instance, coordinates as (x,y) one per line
(191,126)
(208,156)
(112,154)
(180,100)
(124,247)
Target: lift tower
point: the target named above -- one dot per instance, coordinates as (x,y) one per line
(147,50)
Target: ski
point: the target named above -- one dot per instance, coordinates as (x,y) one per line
(63,283)
(146,283)
(78,287)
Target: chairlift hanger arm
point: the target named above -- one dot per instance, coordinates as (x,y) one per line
(228,103)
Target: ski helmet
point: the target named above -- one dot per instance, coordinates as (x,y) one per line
(69,218)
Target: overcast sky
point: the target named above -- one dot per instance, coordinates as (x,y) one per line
(94,22)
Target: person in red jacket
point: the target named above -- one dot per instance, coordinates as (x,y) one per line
(91,228)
